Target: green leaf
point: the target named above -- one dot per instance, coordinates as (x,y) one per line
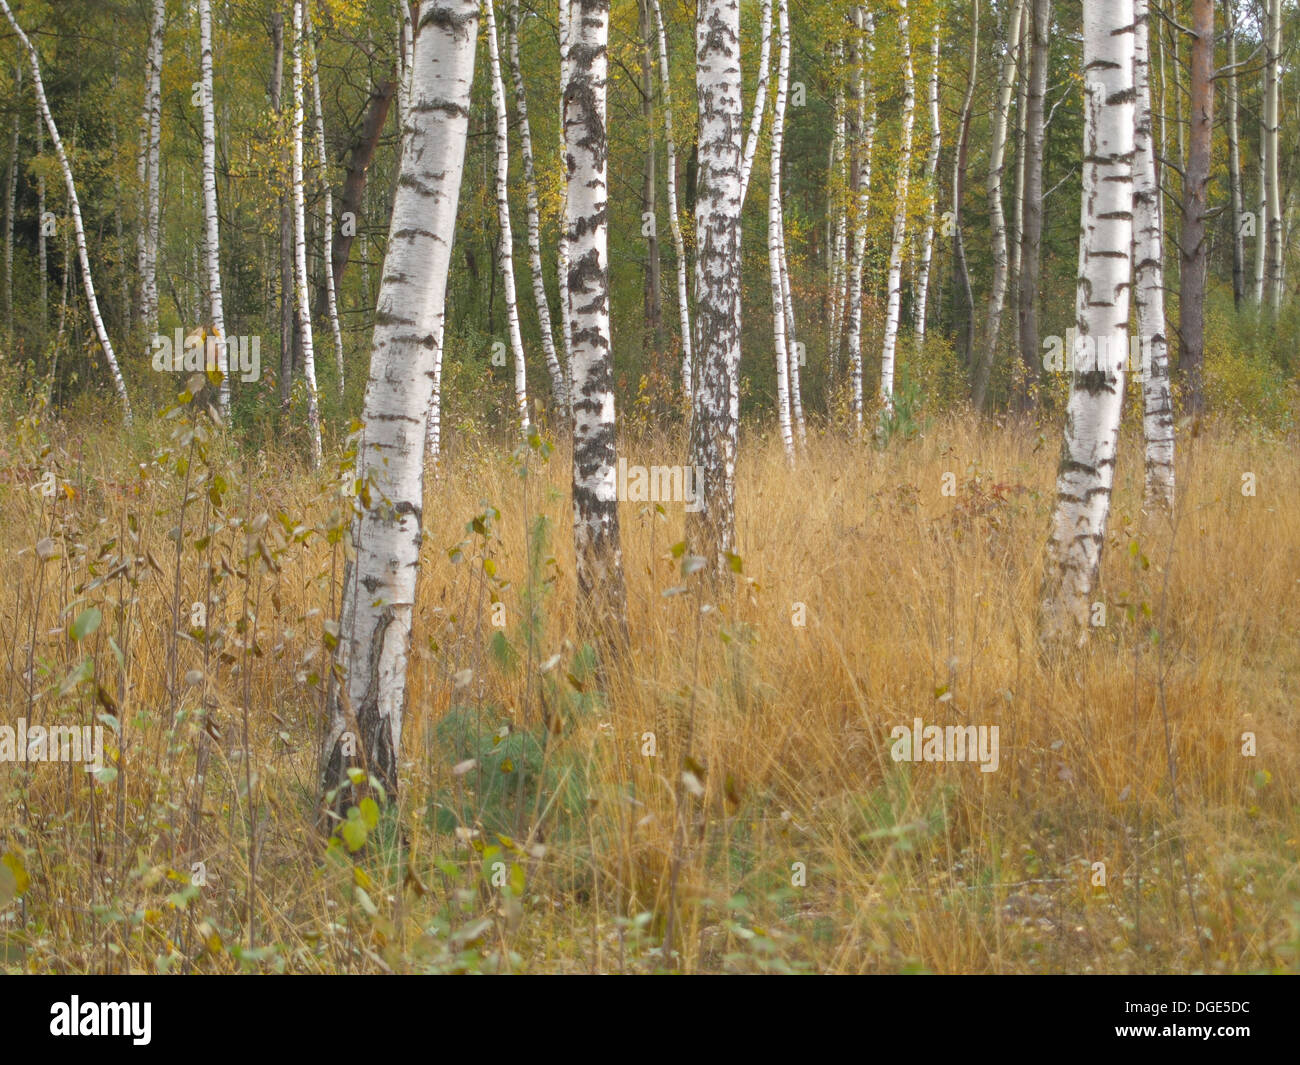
(354,834)
(369,812)
(87,622)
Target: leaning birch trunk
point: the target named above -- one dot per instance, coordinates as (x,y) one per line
(791,345)
(211,238)
(931,193)
(997,216)
(598,552)
(774,241)
(894,308)
(1092,423)
(150,154)
(675,224)
(865,24)
(507,255)
(300,240)
(760,100)
(715,416)
(559,387)
(74,208)
(380,583)
(1149,283)
(405,60)
(327,199)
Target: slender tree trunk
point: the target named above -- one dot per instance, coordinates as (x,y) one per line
(597,547)
(74,207)
(559,387)
(893,311)
(1193,245)
(562,243)
(11,199)
(1272,124)
(1261,214)
(327,199)
(760,100)
(715,420)
(866,131)
(679,246)
(775,272)
(152,154)
(1040,30)
(507,252)
(276,88)
(300,236)
(1092,423)
(962,284)
(380,584)
(837,242)
(931,193)
(1149,283)
(998,222)
(42,255)
(654,312)
(211,238)
(1234,159)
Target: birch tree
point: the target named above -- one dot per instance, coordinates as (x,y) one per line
(74,209)
(1193,240)
(1092,422)
(599,556)
(1149,283)
(864,49)
(1031,238)
(506,256)
(303,300)
(148,172)
(10,203)
(997,216)
(893,310)
(792,347)
(1234,157)
(1272,126)
(327,201)
(776,263)
(715,415)
(760,100)
(837,238)
(380,582)
(675,224)
(559,387)
(931,191)
(562,243)
(211,235)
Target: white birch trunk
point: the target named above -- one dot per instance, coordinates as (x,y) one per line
(679,245)
(866,26)
(894,307)
(760,100)
(1149,283)
(1092,423)
(559,386)
(597,548)
(1272,125)
(10,203)
(300,240)
(774,241)
(791,345)
(997,216)
(715,417)
(838,181)
(380,584)
(507,254)
(74,208)
(42,255)
(327,198)
(931,193)
(211,235)
(562,243)
(150,155)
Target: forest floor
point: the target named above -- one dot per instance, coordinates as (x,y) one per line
(729,790)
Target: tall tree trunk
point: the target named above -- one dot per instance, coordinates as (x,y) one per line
(507,251)
(300,237)
(715,417)
(931,193)
(960,270)
(74,207)
(1193,245)
(893,311)
(864,52)
(211,235)
(775,271)
(562,243)
(679,246)
(837,241)
(1040,32)
(276,88)
(151,144)
(760,100)
(1272,126)
(1234,159)
(327,200)
(559,386)
(1149,283)
(42,256)
(597,547)
(11,198)
(1092,423)
(380,584)
(654,313)
(998,221)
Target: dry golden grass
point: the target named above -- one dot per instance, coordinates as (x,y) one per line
(806,846)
